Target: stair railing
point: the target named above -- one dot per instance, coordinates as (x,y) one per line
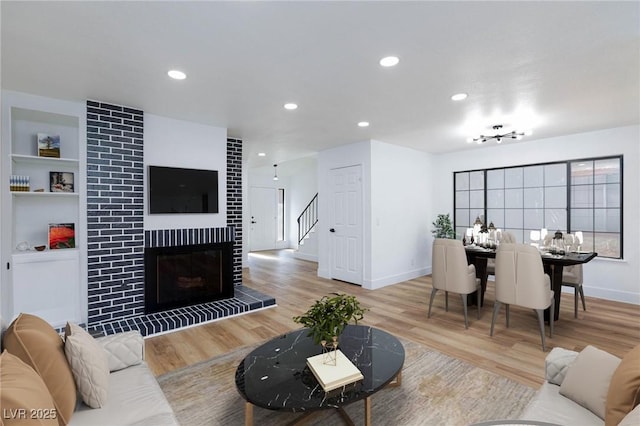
(308,219)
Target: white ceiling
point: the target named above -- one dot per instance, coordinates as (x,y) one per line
(555,67)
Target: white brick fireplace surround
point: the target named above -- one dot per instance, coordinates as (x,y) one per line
(116,237)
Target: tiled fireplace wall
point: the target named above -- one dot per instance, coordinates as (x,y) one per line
(115,211)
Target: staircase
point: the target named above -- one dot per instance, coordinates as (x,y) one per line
(306,229)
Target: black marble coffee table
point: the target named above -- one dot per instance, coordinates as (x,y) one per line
(275,376)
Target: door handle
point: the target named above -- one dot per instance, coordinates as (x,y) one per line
(253,221)
(332,230)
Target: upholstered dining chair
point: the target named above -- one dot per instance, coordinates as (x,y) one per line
(572,275)
(506,237)
(452,273)
(521,281)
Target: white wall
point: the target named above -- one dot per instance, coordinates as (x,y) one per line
(396,203)
(176,143)
(604,278)
(400,201)
(343,156)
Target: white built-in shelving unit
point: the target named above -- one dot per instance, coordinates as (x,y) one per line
(49,283)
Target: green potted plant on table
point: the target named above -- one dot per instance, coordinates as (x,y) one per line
(443,227)
(327,318)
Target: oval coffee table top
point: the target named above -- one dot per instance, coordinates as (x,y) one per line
(275,375)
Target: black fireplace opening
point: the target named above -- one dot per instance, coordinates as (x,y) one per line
(187,275)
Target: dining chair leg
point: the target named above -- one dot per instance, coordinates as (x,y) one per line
(584,306)
(575,302)
(478,304)
(540,313)
(552,314)
(507,315)
(433,294)
(464,307)
(446,301)
(496,309)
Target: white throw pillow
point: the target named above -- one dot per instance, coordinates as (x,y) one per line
(587,380)
(89,365)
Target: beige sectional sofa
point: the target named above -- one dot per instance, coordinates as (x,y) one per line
(79,380)
(586,388)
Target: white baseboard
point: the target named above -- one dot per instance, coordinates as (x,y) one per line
(305,256)
(395,279)
(615,295)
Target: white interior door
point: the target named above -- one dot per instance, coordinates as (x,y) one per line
(262,231)
(346,224)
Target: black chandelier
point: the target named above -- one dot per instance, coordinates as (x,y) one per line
(499,136)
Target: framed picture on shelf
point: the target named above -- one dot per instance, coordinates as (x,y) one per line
(61,182)
(62,236)
(48,145)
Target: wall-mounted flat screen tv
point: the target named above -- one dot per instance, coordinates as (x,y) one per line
(178,190)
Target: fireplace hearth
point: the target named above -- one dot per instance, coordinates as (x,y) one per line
(186,275)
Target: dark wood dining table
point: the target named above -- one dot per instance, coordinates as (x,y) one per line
(553,265)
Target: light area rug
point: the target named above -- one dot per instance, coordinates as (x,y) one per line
(436,390)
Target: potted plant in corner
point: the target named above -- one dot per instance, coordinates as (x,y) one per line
(443,227)
(327,318)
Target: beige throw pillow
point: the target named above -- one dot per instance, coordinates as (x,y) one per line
(24,398)
(624,392)
(587,381)
(37,344)
(89,365)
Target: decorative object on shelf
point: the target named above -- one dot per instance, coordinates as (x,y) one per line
(61,182)
(499,135)
(23,246)
(443,227)
(327,318)
(19,183)
(48,145)
(62,235)
(40,248)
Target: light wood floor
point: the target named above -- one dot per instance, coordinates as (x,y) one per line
(402,310)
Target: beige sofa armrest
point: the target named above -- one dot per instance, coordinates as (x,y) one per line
(557,363)
(123,349)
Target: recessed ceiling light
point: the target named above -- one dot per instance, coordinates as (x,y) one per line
(389,61)
(290,106)
(177,75)
(459,97)
(261,154)
(363,124)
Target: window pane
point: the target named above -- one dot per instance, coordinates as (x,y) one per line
(581,220)
(533,176)
(476,199)
(555,197)
(533,198)
(582,172)
(462,217)
(607,195)
(513,198)
(607,245)
(607,171)
(462,181)
(587,244)
(606,220)
(555,175)
(513,178)
(495,179)
(495,198)
(476,180)
(534,218)
(582,196)
(555,219)
(513,218)
(462,199)
(496,216)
